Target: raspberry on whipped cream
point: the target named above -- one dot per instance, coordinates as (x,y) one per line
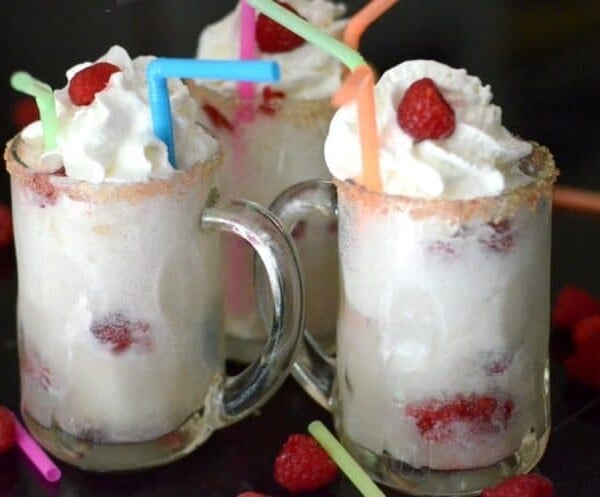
(111,139)
(306,71)
(479,158)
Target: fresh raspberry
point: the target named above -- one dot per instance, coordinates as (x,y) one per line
(303,465)
(89,81)
(119,333)
(8,434)
(218,120)
(436,419)
(584,365)
(6,227)
(572,305)
(272,37)
(24,112)
(271,100)
(532,485)
(424,113)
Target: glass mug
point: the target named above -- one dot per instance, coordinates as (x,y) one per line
(120,313)
(440,385)
(270,143)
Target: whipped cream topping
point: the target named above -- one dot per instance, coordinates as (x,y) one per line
(306,72)
(481,158)
(112,139)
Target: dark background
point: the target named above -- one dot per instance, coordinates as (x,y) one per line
(542,59)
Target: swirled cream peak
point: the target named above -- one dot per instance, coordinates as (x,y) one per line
(112,138)
(480,158)
(306,72)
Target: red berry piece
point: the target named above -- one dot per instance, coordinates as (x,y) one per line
(120,333)
(501,240)
(572,305)
(217,119)
(424,113)
(8,433)
(303,465)
(299,230)
(271,100)
(436,419)
(24,112)
(584,365)
(89,81)
(6,227)
(532,485)
(272,37)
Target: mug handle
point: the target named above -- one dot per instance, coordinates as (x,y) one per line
(313,369)
(233,397)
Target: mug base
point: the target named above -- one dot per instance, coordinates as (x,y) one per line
(97,456)
(405,478)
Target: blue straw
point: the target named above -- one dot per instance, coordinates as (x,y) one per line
(162,68)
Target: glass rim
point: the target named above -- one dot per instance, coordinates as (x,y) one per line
(495,207)
(47,183)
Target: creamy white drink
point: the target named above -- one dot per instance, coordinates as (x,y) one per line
(270,143)
(443,323)
(119,301)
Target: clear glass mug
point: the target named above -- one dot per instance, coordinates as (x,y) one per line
(440,384)
(270,143)
(119,313)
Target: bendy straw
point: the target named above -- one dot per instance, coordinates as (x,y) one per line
(44,99)
(344,460)
(360,21)
(247,44)
(162,68)
(306,30)
(359,86)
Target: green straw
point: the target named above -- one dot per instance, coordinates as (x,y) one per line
(344,460)
(25,83)
(306,30)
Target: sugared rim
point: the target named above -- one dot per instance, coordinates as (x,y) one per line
(50,184)
(290,109)
(539,165)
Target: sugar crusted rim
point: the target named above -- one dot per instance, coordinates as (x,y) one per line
(539,165)
(47,184)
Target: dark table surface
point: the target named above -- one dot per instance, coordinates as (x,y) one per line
(241,457)
(540,57)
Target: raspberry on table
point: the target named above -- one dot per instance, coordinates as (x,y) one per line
(119,332)
(424,113)
(8,433)
(24,112)
(89,81)
(6,227)
(532,485)
(303,465)
(584,365)
(572,305)
(272,37)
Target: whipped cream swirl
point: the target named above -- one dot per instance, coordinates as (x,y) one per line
(481,158)
(306,72)
(112,139)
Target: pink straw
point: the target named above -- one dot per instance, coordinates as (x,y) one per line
(247,45)
(35,453)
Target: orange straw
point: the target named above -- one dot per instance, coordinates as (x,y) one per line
(576,200)
(360,86)
(363,19)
